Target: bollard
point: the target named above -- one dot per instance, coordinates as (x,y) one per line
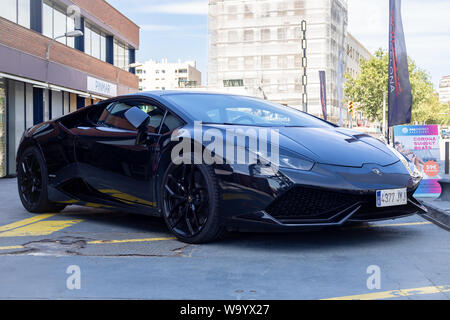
(445,193)
(447,157)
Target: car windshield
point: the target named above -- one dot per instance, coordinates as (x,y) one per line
(239,110)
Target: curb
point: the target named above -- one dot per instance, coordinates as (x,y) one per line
(436,214)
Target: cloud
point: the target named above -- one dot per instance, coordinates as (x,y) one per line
(196,7)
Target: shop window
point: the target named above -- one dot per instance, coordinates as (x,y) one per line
(3,126)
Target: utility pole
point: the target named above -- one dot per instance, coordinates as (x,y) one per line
(384,114)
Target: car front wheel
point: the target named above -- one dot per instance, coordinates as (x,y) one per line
(190,203)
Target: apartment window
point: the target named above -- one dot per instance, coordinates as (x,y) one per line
(87,40)
(103,47)
(23,11)
(56,23)
(120,55)
(266,62)
(233,63)
(299,4)
(282,62)
(282,7)
(265,34)
(47,20)
(70,27)
(17,11)
(281,32)
(248,12)
(249,62)
(265,10)
(248,35)
(94,43)
(182,71)
(232,36)
(232,10)
(59,25)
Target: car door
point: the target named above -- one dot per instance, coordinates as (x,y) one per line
(110,160)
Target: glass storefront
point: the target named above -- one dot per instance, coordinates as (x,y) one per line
(3,128)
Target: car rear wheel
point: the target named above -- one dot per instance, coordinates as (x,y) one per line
(190,199)
(32,179)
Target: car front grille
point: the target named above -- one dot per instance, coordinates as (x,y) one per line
(305,203)
(301,202)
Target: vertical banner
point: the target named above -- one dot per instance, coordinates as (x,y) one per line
(400,96)
(323,93)
(421,145)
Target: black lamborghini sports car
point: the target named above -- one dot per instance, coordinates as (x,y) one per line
(131,153)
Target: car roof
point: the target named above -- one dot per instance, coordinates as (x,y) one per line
(160,93)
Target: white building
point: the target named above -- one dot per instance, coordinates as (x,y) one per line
(257,44)
(444,90)
(356,54)
(164,75)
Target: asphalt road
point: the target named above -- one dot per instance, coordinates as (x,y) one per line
(128,256)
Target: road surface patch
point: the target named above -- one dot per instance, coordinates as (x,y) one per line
(396,293)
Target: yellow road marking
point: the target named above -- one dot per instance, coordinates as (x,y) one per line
(396,293)
(42,228)
(24,222)
(11,247)
(130,240)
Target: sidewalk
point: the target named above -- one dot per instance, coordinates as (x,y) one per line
(439,209)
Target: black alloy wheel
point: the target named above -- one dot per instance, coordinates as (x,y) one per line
(32,183)
(190,203)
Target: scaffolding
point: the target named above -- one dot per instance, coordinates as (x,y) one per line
(260,43)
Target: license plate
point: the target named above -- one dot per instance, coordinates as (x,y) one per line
(391,198)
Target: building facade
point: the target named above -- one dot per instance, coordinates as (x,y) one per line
(444,90)
(258,45)
(356,53)
(41,79)
(164,75)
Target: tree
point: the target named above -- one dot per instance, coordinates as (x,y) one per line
(370,85)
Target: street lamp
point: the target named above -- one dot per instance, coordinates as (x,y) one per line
(70,34)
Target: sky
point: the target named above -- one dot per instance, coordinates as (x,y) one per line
(178,29)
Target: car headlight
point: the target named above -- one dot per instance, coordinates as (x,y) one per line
(292,161)
(415,174)
(287,159)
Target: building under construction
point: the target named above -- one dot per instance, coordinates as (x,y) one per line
(258,44)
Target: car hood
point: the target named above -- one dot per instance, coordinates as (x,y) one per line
(336,146)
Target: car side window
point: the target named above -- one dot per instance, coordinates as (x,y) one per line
(171,123)
(114,115)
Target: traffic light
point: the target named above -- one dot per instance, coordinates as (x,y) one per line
(351,108)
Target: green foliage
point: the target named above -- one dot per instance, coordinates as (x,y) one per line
(368,88)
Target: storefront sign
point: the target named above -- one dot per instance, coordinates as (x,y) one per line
(422,146)
(101,87)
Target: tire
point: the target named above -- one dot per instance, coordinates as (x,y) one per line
(32,181)
(183,208)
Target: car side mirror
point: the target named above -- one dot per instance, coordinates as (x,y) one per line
(137,118)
